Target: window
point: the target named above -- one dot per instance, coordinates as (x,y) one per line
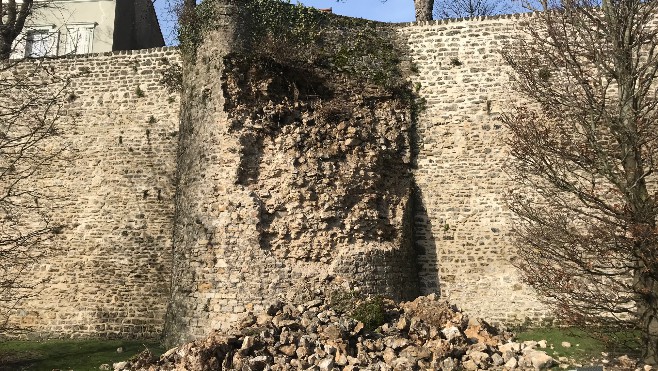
(36,42)
(79,39)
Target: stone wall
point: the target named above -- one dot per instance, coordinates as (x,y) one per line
(112,192)
(278,189)
(462,225)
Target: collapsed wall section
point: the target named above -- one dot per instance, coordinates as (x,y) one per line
(109,194)
(291,174)
(462,224)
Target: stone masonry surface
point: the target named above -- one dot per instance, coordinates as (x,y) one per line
(462,225)
(253,210)
(114,198)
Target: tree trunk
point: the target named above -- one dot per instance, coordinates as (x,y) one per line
(12,24)
(189,5)
(642,215)
(5,49)
(648,313)
(424,10)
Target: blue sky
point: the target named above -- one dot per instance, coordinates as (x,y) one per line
(389,11)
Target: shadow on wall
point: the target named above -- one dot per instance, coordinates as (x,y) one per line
(422,237)
(425,246)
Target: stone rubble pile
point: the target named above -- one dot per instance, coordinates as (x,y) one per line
(426,334)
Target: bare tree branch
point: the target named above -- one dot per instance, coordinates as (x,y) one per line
(31,98)
(584,150)
(470,8)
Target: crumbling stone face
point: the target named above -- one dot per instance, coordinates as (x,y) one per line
(328,163)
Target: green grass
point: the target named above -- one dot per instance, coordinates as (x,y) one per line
(585,346)
(77,355)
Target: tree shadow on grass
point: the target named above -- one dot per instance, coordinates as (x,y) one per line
(23,360)
(76,355)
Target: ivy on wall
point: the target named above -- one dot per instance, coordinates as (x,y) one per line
(294,34)
(267,20)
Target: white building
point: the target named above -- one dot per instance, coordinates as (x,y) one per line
(61,27)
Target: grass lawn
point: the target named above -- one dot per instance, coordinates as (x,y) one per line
(584,349)
(77,355)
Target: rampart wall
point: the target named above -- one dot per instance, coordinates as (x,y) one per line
(462,225)
(265,212)
(112,192)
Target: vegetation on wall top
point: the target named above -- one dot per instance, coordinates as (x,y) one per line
(290,33)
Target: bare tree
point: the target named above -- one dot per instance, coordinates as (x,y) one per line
(584,151)
(31,99)
(31,96)
(180,13)
(469,8)
(183,9)
(12,23)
